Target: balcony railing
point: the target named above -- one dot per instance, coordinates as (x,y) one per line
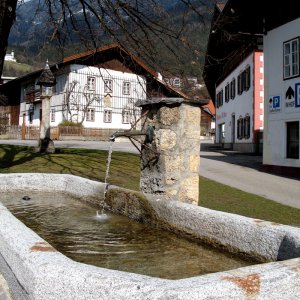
(33,96)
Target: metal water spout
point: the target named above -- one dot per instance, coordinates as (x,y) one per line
(149,134)
(131,135)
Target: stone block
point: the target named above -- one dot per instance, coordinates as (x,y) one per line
(173,164)
(188,191)
(194,163)
(166,138)
(193,134)
(171,180)
(169,116)
(192,116)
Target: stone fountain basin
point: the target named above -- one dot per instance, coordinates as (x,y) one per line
(45,273)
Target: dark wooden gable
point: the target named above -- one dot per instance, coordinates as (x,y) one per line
(116,58)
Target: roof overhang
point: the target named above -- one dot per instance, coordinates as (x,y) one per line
(170,101)
(237,29)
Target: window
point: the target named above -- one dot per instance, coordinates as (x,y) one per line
(291,58)
(52,115)
(240,128)
(240,84)
(243,81)
(176,82)
(91,83)
(219,98)
(243,128)
(247,127)
(292,141)
(232,89)
(227,92)
(108,88)
(126,116)
(90,114)
(246,79)
(30,117)
(126,88)
(107,116)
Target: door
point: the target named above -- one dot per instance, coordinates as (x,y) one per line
(221,128)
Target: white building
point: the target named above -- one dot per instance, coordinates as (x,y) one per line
(275,29)
(234,76)
(97,89)
(94,97)
(239,105)
(282,108)
(10,56)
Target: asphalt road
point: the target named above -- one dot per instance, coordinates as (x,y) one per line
(237,170)
(243,171)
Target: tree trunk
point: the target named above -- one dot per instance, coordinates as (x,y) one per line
(7,17)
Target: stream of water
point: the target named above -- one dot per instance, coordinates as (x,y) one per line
(102,215)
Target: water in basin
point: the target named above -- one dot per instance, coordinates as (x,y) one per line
(115,242)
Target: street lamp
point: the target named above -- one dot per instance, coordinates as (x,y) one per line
(46,82)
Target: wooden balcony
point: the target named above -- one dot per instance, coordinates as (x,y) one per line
(33,96)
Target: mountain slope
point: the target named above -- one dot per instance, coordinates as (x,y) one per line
(168,52)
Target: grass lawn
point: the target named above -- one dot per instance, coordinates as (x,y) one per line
(124,172)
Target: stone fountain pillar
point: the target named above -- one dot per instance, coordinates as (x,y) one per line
(170,163)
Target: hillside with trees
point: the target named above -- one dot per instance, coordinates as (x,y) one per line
(169,35)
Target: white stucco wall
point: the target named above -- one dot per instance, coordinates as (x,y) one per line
(116,102)
(239,106)
(275,121)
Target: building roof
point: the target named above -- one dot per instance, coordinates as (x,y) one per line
(47,78)
(209,108)
(136,64)
(237,29)
(107,50)
(99,57)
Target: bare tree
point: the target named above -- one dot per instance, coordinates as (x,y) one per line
(137,25)
(77,100)
(70,97)
(7,17)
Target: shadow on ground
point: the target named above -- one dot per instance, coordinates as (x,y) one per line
(248,160)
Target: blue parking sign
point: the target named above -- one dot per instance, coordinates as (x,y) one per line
(276,102)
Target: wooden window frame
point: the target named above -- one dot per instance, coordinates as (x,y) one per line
(90,115)
(291,58)
(108,86)
(107,116)
(91,83)
(126,88)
